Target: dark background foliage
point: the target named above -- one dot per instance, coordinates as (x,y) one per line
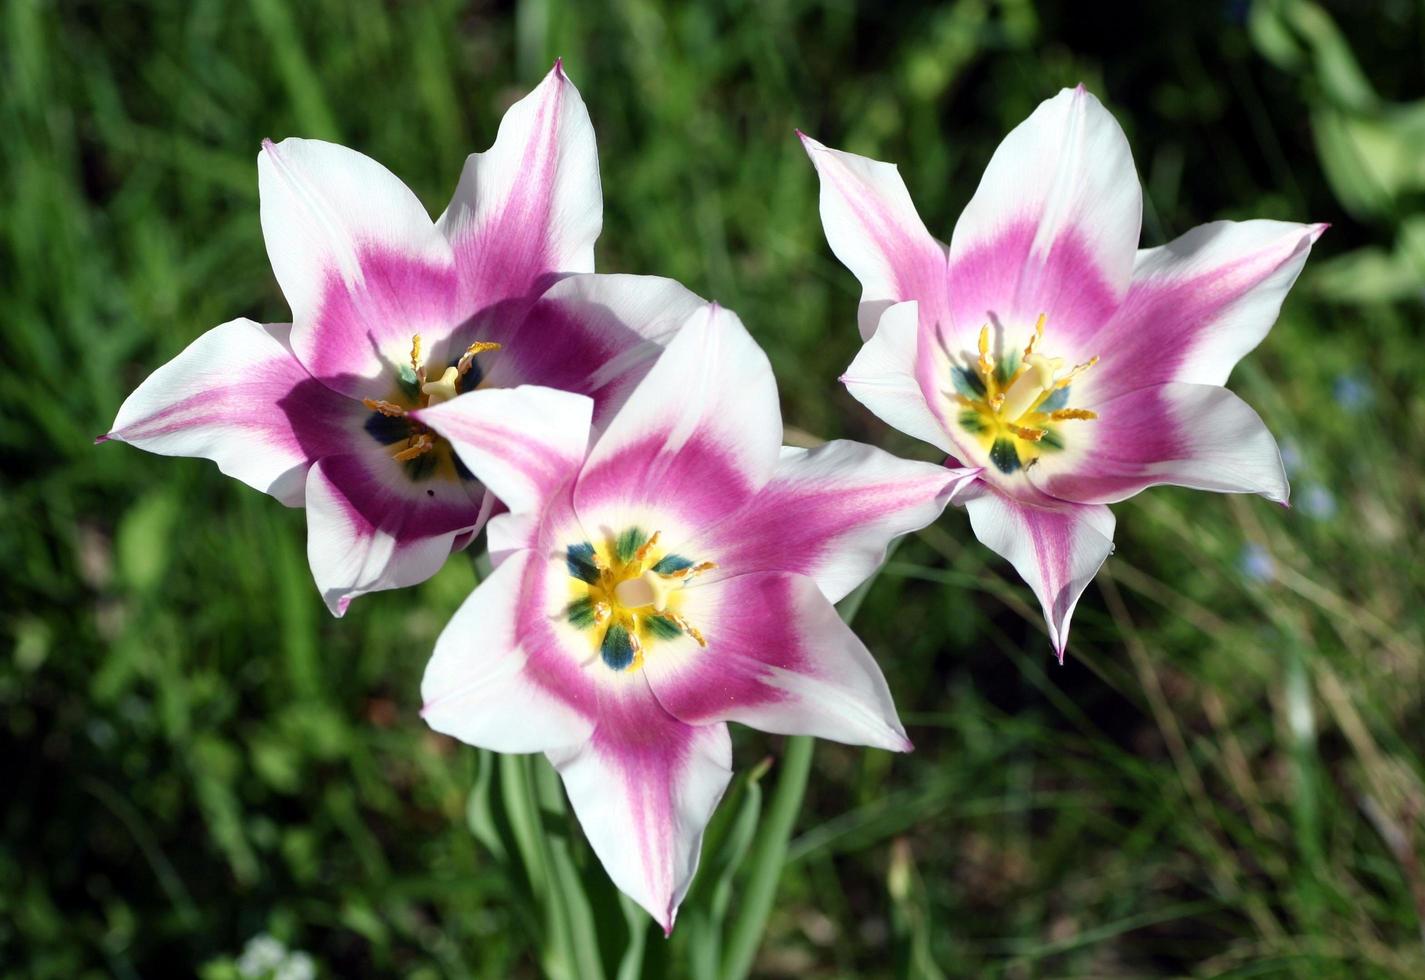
(1225,777)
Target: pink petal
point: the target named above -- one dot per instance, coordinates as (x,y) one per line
(779,659)
(238,396)
(531,205)
(1199,436)
(1056,547)
(594,334)
(358,259)
(697,438)
(829,513)
(1052,229)
(483,687)
(644,789)
(523,443)
(874,229)
(370,527)
(1199,304)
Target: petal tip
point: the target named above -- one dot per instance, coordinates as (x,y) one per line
(558,70)
(1317,230)
(100,440)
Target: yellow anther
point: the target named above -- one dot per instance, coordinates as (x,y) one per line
(645,548)
(384,407)
(1024,432)
(418,445)
(687,628)
(443,390)
(468,358)
(602,612)
(691,570)
(1077,370)
(1037,336)
(987,361)
(416,357)
(1063,414)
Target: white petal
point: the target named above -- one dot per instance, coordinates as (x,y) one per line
(479,686)
(883,378)
(523,443)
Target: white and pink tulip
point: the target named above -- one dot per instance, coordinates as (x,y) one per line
(659,578)
(393,312)
(1044,348)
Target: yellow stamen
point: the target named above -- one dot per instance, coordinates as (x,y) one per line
(602,612)
(468,358)
(987,361)
(1077,370)
(419,445)
(416,357)
(691,570)
(1037,336)
(1063,414)
(381,405)
(687,628)
(1024,432)
(647,546)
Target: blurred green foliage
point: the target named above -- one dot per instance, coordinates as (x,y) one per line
(1225,778)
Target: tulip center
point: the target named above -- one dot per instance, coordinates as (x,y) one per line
(390,423)
(1014,406)
(626,593)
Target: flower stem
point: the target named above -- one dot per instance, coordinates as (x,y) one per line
(768,855)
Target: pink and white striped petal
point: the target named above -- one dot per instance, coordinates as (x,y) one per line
(531,206)
(778,658)
(644,789)
(371,528)
(698,437)
(523,443)
(888,378)
(1200,303)
(1188,435)
(238,396)
(359,260)
(829,513)
(484,688)
(1055,546)
(873,228)
(1052,229)
(593,334)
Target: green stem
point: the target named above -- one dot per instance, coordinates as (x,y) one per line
(768,855)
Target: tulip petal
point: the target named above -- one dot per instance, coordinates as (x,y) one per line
(523,443)
(370,528)
(829,513)
(1199,304)
(594,334)
(778,658)
(884,378)
(531,205)
(239,397)
(1052,229)
(359,260)
(644,789)
(1056,547)
(697,438)
(873,228)
(1199,436)
(481,685)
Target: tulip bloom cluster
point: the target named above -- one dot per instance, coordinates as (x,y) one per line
(662,564)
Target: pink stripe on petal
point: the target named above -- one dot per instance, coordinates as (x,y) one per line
(778,658)
(530,207)
(238,396)
(644,789)
(1057,548)
(872,226)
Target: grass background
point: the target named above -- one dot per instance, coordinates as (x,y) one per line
(1223,780)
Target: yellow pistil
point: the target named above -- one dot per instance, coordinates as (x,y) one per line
(443,389)
(1006,410)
